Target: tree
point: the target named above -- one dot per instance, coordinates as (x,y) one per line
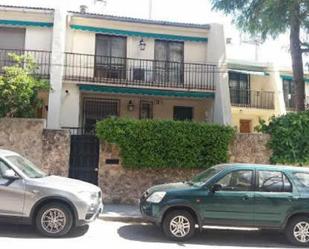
(271,18)
(19,88)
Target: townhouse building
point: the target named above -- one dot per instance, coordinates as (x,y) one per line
(102,65)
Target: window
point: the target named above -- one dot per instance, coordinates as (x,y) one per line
(273,181)
(302,180)
(183,113)
(146,109)
(11,38)
(110,59)
(169,61)
(240,180)
(239,84)
(3,168)
(98,109)
(288,93)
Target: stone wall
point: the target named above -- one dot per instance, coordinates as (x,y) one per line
(121,185)
(250,148)
(48,149)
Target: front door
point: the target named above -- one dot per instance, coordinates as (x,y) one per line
(233,204)
(245,126)
(273,198)
(12,194)
(84,158)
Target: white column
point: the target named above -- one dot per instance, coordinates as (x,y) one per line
(56,70)
(216,54)
(280,107)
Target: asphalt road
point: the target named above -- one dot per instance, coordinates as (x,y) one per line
(107,234)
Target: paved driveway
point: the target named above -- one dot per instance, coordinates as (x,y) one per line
(103,234)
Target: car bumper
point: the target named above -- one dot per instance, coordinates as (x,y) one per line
(90,217)
(150,211)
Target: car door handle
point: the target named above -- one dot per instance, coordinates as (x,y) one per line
(245,198)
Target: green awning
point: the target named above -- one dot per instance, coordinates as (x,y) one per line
(251,72)
(138,33)
(144,91)
(25,23)
(289,77)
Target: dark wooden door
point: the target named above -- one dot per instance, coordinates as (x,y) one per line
(84,158)
(245,126)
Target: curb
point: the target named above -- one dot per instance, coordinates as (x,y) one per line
(126,219)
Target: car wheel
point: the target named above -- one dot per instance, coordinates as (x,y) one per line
(297,231)
(54,220)
(179,225)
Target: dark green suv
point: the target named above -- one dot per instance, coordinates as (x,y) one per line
(244,195)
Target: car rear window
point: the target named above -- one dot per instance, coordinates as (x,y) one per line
(302,180)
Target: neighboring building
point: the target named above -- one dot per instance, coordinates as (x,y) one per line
(255,93)
(101,65)
(288,87)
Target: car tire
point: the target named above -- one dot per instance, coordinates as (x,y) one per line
(54,220)
(297,231)
(178,225)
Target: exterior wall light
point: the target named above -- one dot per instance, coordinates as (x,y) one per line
(142,44)
(130,106)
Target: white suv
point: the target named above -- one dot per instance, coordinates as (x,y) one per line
(53,204)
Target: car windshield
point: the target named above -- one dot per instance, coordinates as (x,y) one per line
(27,167)
(203,177)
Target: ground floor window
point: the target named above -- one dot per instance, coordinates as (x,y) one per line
(98,109)
(183,113)
(146,109)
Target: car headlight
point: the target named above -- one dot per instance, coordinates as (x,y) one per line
(88,197)
(156,197)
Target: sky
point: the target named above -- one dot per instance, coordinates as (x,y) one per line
(193,11)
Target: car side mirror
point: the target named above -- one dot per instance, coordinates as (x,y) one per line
(216,187)
(10,174)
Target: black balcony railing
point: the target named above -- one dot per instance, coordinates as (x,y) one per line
(290,102)
(139,72)
(41,58)
(252,99)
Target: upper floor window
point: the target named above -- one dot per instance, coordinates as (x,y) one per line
(239,84)
(288,93)
(110,59)
(169,57)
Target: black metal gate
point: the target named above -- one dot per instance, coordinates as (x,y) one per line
(84,158)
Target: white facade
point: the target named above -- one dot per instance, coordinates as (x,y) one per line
(51,30)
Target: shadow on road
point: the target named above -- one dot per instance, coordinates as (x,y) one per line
(29,232)
(210,237)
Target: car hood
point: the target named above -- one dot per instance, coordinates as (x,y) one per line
(64,183)
(170,187)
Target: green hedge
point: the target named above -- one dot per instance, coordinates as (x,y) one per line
(166,144)
(289,138)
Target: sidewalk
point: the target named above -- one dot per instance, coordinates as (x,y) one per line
(122,213)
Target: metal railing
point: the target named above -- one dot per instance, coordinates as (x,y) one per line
(290,102)
(252,99)
(80,130)
(138,72)
(40,57)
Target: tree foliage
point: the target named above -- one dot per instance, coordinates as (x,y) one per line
(289,137)
(19,87)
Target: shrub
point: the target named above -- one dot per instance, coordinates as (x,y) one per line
(167,143)
(289,138)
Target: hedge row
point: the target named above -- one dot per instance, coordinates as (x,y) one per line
(289,138)
(167,143)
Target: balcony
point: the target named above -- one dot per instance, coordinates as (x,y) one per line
(144,73)
(252,99)
(290,105)
(41,58)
